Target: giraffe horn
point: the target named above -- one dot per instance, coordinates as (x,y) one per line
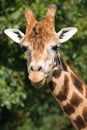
(50,16)
(51,10)
(29,19)
(29,16)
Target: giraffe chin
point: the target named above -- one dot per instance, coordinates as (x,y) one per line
(39,84)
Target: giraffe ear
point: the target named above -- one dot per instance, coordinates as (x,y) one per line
(15,34)
(66,33)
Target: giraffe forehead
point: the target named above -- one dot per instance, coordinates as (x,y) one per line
(40,35)
(39,38)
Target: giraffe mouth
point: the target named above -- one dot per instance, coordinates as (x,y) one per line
(38,84)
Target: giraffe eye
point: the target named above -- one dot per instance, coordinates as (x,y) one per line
(24,48)
(54,48)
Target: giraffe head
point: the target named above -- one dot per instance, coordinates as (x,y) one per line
(41,42)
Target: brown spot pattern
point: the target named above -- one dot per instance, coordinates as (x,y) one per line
(75,100)
(52,85)
(69,109)
(61,96)
(80,122)
(77,82)
(57,73)
(84,113)
(64,90)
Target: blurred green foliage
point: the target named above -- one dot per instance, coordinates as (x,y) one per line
(21,106)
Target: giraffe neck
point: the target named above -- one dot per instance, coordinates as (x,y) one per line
(71,93)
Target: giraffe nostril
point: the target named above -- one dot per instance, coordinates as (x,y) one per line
(39,68)
(31,68)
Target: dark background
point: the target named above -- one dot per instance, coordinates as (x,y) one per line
(21,106)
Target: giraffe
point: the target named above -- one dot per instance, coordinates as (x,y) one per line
(45,64)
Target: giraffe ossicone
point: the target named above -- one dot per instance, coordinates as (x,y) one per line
(45,64)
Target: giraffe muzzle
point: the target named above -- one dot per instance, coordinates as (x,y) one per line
(37,79)
(38,84)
